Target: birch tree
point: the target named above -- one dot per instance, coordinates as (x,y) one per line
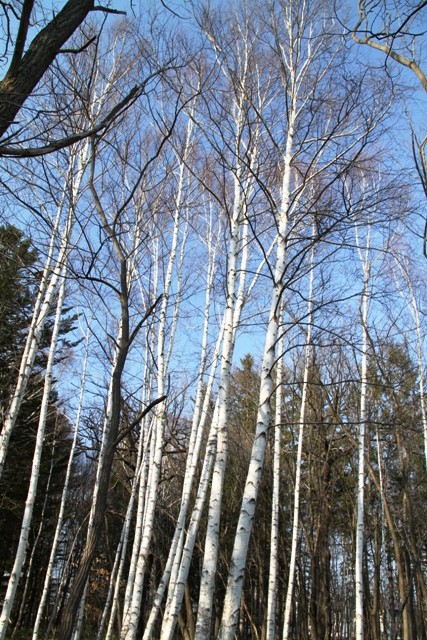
(109,267)
(275,506)
(110,435)
(51,562)
(302,413)
(191,237)
(199,419)
(297,58)
(162,361)
(204,611)
(414,305)
(364,308)
(56,258)
(23,540)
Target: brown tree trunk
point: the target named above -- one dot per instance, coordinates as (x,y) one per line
(25,71)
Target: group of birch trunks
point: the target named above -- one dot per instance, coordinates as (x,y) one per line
(245,443)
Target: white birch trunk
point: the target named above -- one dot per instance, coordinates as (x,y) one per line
(230,616)
(99,471)
(131,619)
(200,413)
(78,626)
(133,586)
(193,527)
(64,497)
(138,481)
(364,307)
(46,294)
(141,482)
(28,512)
(140,485)
(295,521)
(204,610)
(413,305)
(185,549)
(234,303)
(275,505)
(420,362)
(43,304)
(114,581)
(121,556)
(37,539)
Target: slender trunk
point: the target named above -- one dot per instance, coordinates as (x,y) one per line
(108,446)
(28,576)
(399,560)
(64,496)
(99,500)
(210,558)
(275,506)
(138,481)
(46,294)
(140,486)
(295,521)
(230,616)
(43,304)
(200,413)
(414,307)
(359,590)
(32,490)
(113,585)
(131,619)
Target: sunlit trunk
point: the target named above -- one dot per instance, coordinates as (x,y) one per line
(64,497)
(32,490)
(297,491)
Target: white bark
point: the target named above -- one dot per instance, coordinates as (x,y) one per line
(231,609)
(103,454)
(364,308)
(193,528)
(64,497)
(46,294)
(140,485)
(200,413)
(275,505)
(234,302)
(131,619)
(211,542)
(415,311)
(47,290)
(208,462)
(32,490)
(139,481)
(295,520)
(37,538)
(115,576)
(184,553)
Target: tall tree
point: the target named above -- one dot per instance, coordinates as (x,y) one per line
(20,268)
(301,39)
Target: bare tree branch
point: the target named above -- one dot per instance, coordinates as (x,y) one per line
(26,71)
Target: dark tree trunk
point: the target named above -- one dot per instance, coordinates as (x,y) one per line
(26,71)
